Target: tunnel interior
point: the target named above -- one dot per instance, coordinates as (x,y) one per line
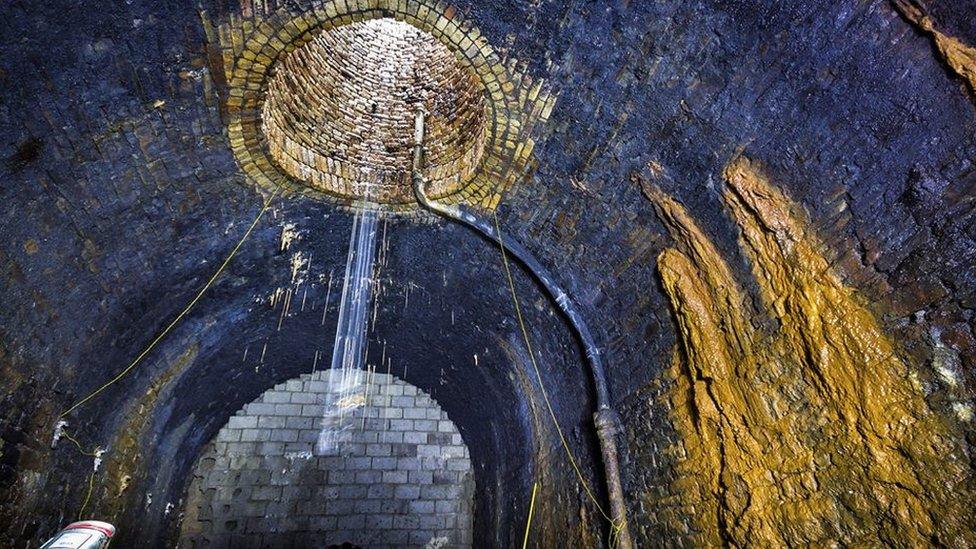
(680,273)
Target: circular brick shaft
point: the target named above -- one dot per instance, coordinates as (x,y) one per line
(338,115)
(397,473)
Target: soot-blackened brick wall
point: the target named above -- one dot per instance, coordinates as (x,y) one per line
(396,474)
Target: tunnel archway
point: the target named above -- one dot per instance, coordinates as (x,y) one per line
(448,329)
(395,473)
(134,159)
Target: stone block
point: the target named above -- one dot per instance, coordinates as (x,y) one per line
(379,450)
(431,522)
(391,413)
(390,437)
(415,437)
(292,422)
(395,477)
(402,401)
(415,413)
(444,477)
(260,409)
(421,507)
(369,477)
(353,492)
(254,435)
(288,409)
(351,522)
(227,435)
(358,463)
(272,422)
(408,464)
(379,522)
(352,449)
(283,435)
(420,478)
(406,522)
(242,422)
(276,397)
(322,523)
(407,492)
(380,491)
(311,410)
(294,385)
(368,506)
(402,424)
(384,463)
(342,477)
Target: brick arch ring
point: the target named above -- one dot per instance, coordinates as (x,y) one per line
(515,101)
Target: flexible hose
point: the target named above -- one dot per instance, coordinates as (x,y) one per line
(605,419)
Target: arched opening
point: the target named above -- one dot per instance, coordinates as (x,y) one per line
(394,473)
(338,116)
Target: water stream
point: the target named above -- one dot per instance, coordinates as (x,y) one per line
(346,386)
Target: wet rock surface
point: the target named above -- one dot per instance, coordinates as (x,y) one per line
(120,196)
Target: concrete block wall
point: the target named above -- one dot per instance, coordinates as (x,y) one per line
(396,473)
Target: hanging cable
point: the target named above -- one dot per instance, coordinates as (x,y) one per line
(91,486)
(542,387)
(606,421)
(169,327)
(528,522)
(183,313)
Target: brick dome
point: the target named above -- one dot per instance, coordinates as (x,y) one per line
(338,115)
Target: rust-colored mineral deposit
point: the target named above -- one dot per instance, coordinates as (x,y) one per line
(814,433)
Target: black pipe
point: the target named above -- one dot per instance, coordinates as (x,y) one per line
(605,418)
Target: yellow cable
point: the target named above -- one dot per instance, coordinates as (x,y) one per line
(542,388)
(528,523)
(78,444)
(91,484)
(183,313)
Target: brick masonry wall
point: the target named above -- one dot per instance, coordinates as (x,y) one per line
(339,112)
(397,474)
(516,101)
(121,188)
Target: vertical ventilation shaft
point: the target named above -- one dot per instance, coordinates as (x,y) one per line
(338,115)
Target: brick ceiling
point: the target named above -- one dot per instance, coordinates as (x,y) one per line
(339,112)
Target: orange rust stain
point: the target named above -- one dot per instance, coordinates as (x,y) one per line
(815,432)
(960,57)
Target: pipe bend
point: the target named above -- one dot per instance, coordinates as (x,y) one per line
(540,273)
(605,419)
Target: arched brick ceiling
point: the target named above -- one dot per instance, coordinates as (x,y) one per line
(339,112)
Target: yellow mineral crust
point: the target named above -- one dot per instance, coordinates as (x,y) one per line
(960,56)
(813,434)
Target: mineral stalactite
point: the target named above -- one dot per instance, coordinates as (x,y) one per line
(813,432)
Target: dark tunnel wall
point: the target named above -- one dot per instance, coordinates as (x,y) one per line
(423,345)
(119,197)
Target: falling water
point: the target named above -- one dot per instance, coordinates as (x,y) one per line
(346,384)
